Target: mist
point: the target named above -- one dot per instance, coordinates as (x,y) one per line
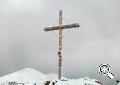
(23,43)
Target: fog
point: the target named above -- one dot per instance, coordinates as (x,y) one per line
(23,43)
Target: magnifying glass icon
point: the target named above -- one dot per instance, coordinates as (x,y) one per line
(104,69)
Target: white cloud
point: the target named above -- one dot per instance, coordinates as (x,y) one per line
(15,3)
(21,5)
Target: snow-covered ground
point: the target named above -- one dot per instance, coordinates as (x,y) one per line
(29,76)
(118,83)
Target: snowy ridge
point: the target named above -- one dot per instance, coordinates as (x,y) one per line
(29,76)
(24,76)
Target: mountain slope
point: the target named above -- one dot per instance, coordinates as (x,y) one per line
(25,75)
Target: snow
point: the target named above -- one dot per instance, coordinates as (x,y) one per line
(24,76)
(118,84)
(29,76)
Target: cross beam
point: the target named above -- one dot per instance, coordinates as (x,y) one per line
(60,28)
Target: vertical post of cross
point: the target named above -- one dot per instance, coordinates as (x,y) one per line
(60,28)
(60,46)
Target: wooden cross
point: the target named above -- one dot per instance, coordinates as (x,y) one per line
(60,28)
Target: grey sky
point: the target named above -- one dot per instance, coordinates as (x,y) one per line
(24,44)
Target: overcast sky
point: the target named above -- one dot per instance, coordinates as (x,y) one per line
(23,43)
